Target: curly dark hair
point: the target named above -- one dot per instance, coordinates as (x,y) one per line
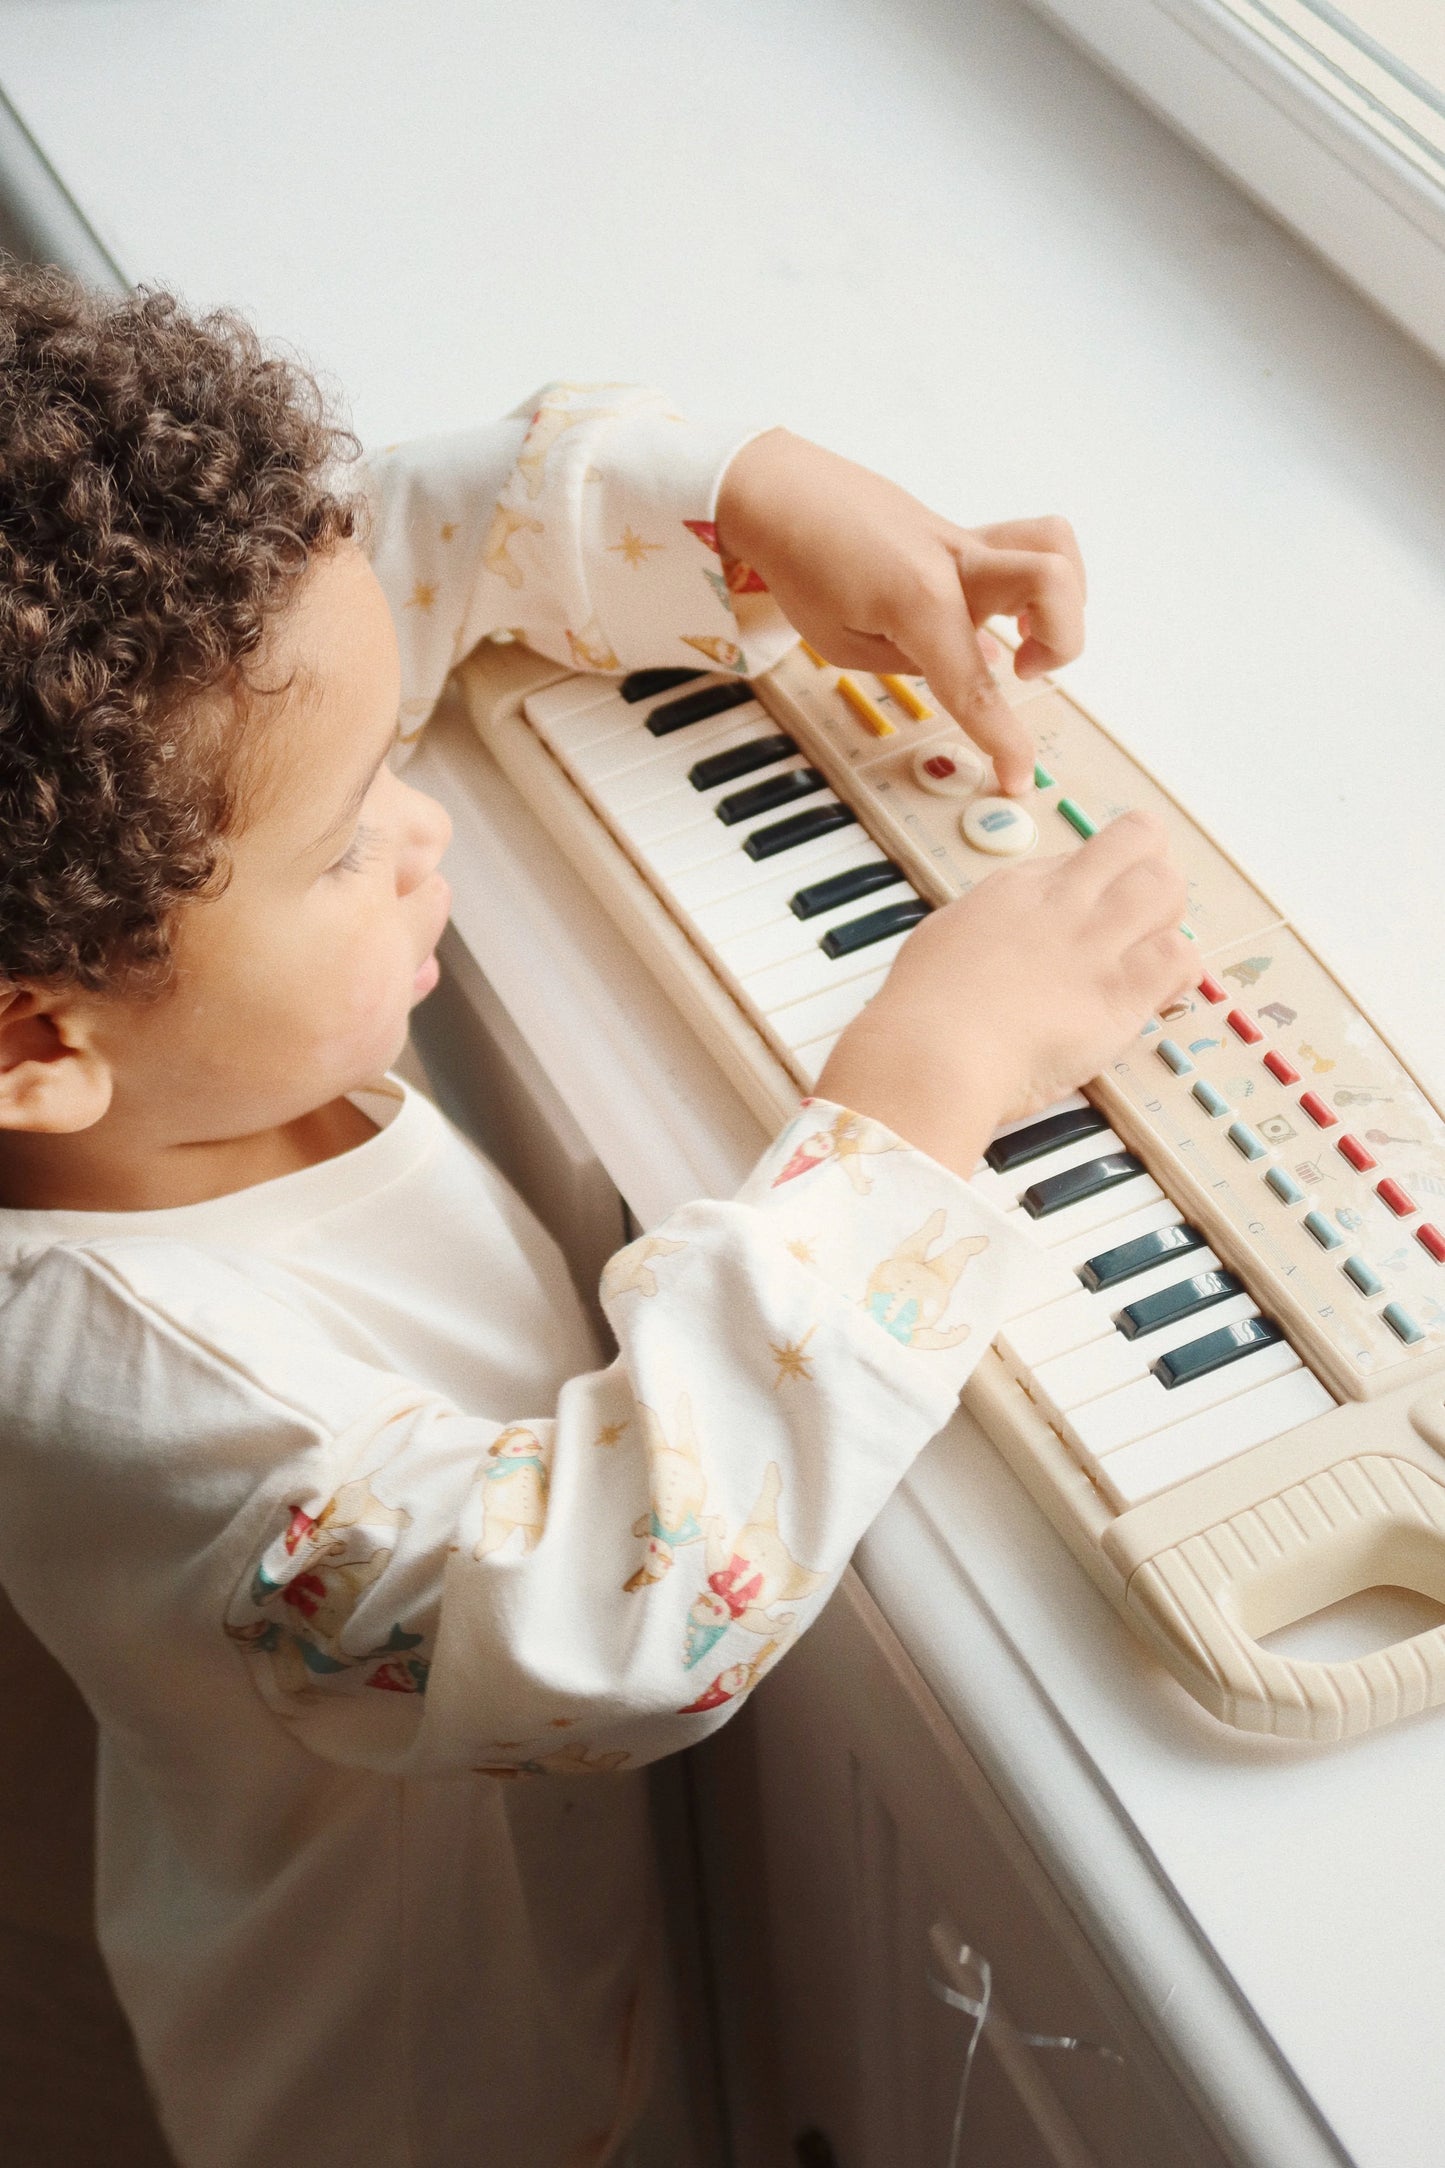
(165,480)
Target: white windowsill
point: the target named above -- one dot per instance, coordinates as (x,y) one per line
(1304,149)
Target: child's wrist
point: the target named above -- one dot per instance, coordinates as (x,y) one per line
(950,1112)
(745,494)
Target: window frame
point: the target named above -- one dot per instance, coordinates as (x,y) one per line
(1374,214)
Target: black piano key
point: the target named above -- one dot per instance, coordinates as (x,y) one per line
(740,760)
(877,926)
(797,828)
(844,888)
(1182,1365)
(745,805)
(1127,1258)
(670,715)
(1172,1304)
(1077,1183)
(642,684)
(1022,1145)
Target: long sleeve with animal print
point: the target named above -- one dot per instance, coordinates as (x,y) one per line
(581,1585)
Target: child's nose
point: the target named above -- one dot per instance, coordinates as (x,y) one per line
(427,832)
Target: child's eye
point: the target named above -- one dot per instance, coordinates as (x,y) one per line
(357,851)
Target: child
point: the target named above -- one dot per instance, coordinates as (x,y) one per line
(309,1475)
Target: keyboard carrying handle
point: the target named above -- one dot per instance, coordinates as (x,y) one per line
(1372,1521)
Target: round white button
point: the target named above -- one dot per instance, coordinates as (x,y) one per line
(999,826)
(956,773)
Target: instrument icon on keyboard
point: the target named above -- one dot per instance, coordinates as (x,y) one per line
(1227,1390)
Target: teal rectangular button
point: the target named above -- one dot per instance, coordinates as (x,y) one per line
(1364,1276)
(1243,1138)
(1175,1056)
(1077,818)
(1327,1236)
(1401,1323)
(1213,1102)
(1285,1187)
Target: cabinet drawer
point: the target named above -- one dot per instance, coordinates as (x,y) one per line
(883,1852)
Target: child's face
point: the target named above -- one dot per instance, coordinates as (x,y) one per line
(294,985)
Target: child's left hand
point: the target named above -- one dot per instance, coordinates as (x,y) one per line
(875,581)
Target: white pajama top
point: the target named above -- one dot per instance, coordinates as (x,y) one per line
(376,1581)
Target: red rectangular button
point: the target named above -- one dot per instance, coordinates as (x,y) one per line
(1212,990)
(1356,1154)
(1245,1027)
(1395,1197)
(1433,1240)
(1317,1111)
(1279,1067)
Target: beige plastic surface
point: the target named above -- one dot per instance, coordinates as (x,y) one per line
(1377,1521)
(1351,1500)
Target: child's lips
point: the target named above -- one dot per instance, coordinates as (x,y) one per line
(429,970)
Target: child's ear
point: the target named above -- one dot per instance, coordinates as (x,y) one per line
(52,1077)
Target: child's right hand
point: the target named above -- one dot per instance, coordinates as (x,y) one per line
(1020,991)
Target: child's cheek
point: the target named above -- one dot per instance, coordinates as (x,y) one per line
(374,988)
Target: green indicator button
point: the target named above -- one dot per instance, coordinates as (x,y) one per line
(1042,779)
(1076,818)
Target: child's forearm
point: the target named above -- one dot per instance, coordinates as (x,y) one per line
(588,1584)
(584,524)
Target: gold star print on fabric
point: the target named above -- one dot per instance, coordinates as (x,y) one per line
(448,529)
(790,1359)
(632,549)
(422,597)
(609,1433)
(802,1250)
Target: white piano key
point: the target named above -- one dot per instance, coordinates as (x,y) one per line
(702,880)
(675,810)
(1058,1278)
(1153,1464)
(785,936)
(610,721)
(1076,1248)
(697,844)
(810,1058)
(642,758)
(1083,1315)
(546,710)
(1005,1190)
(785,983)
(765,900)
(1101,1426)
(802,1021)
(1107,1365)
(1093,1213)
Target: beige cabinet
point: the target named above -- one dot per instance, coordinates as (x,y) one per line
(853,1851)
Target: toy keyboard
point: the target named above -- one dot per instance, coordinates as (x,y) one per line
(1228,1388)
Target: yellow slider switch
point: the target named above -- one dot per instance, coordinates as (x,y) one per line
(868,712)
(907,697)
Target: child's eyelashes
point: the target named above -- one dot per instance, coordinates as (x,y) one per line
(361,847)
